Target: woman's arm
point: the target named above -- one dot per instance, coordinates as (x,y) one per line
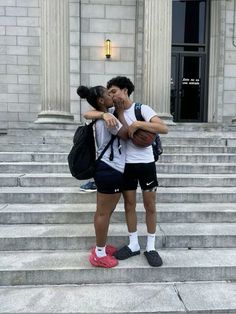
(110,120)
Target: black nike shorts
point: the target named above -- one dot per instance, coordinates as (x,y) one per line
(142,173)
(107,179)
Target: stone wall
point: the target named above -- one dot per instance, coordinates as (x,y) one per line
(91,22)
(229,99)
(101,20)
(19,62)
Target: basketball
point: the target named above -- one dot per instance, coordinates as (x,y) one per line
(143,138)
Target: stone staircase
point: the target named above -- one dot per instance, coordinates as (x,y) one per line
(46,230)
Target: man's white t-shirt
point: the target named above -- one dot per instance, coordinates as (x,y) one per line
(135,154)
(103,136)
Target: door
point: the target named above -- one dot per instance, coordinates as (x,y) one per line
(189,68)
(187,87)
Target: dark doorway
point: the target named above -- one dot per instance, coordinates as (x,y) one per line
(189,60)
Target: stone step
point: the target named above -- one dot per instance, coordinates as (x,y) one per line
(67,138)
(31,156)
(65,148)
(73,267)
(198,158)
(196,180)
(194,140)
(62,167)
(207,168)
(35,147)
(159,298)
(84,213)
(35,139)
(33,167)
(165,180)
(74,195)
(165,158)
(198,149)
(81,236)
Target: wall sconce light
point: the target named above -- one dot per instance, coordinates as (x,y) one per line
(108,48)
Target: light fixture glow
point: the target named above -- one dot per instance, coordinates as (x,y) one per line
(108,48)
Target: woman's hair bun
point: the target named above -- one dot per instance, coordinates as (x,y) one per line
(83,91)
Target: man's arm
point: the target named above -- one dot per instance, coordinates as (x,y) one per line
(155,125)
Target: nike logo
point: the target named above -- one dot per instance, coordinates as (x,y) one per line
(149,183)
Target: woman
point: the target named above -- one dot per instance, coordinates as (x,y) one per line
(109,170)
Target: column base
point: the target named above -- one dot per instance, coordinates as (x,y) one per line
(54,117)
(3,131)
(234,121)
(166,117)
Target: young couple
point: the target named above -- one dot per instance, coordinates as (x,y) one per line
(122,167)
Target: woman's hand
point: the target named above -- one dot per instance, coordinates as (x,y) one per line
(109,119)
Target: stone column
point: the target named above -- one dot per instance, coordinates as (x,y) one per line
(55,62)
(157,56)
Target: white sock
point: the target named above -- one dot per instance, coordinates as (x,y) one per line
(133,241)
(100,251)
(151,237)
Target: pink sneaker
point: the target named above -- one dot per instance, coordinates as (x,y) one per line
(105,261)
(110,250)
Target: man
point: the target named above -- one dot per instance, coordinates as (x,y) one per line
(140,168)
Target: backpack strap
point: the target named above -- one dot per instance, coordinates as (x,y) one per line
(106,147)
(137,111)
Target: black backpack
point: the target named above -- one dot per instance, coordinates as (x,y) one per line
(156,145)
(82,157)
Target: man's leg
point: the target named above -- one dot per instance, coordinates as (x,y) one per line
(129,194)
(130,210)
(131,219)
(149,202)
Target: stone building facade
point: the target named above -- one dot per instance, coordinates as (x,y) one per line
(49,47)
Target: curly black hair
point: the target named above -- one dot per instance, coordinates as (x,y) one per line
(121,82)
(91,94)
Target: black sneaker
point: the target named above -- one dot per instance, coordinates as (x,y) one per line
(124,253)
(90,186)
(153,258)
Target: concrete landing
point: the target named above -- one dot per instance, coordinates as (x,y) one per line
(175,298)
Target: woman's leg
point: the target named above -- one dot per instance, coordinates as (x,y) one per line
(105,206)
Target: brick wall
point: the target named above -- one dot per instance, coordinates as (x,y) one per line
(19,61)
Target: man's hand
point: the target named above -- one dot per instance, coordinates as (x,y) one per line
(133,128)
(119,105)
